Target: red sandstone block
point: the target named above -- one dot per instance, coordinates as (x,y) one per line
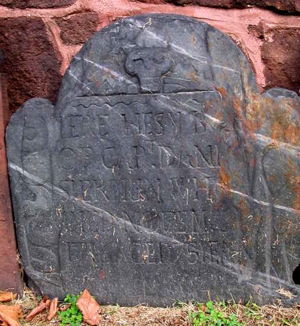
(281,56)
(77,28)
(280,5)
(9,269)
(31,62)
(36,3)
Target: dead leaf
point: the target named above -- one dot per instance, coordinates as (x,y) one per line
(9,315)
(286,293)
(41,307)
(7,296)
(52,309)
(89,308)
(14,311)
(64,307)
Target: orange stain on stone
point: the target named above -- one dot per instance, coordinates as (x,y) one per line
(244,208)
(292,178)
(224,177)
(193,76)
(297,193)
(222,91)
(255,115)
(283,130)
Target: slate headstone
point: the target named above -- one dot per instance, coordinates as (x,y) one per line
(160,174)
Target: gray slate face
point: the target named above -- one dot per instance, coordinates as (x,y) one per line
(160,174)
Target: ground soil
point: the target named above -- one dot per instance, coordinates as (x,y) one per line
(178,314)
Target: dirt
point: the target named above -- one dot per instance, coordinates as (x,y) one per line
(249,314)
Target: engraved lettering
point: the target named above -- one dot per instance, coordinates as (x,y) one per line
(110,157)
(103,124)
(67,156)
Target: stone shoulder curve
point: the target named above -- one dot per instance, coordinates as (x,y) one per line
(197,53)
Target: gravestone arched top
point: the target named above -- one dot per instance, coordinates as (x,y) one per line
(157,54)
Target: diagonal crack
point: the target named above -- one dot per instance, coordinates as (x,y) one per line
(242,273)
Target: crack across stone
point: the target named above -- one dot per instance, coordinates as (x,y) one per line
(242,273)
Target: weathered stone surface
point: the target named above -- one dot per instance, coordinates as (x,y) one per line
(281,56)
(77,28)
(36,3)
(31,63)
(151,1)
(208,3)
(160,173)
(280,5)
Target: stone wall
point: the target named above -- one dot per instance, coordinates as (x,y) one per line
(39,37)
(10,276)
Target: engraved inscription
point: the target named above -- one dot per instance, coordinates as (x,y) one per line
(160,171)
